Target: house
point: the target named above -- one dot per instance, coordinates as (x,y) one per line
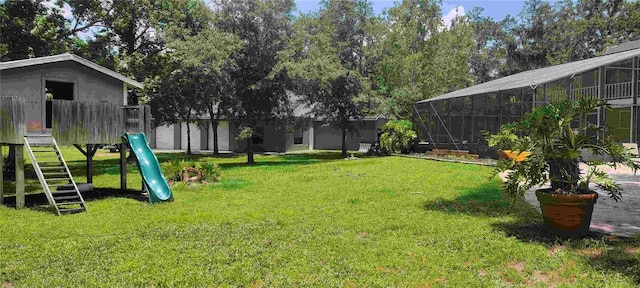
(460,119)
(276,136)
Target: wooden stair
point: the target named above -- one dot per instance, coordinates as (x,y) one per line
(54,175)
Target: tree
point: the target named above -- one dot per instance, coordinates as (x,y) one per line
(421,57)
(538,37)
(327,60)
(173,97)
(127,34)
(260,93)
(29,29)
(485,58)
(195,78)
(220,99)
(627,25)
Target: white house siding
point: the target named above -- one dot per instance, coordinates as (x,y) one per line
(195,137)
(223,136)
(164,137)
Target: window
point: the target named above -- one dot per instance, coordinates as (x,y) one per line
(258,136)
(59,91)
(297,137)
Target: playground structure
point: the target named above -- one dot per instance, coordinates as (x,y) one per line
(65,100)
(72,126)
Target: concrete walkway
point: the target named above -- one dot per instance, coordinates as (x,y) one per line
(620,218)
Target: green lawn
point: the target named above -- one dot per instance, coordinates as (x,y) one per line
(306,220)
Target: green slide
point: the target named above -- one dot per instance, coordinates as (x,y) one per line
(157,186)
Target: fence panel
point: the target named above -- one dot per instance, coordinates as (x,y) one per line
(13,120)
(86,123)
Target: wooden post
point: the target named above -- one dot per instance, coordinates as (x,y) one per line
(499,105)
(473,127)
(602,112)
(123,166)
(1,176)
(19,176)
(90,163)
(634,95)
(448,111)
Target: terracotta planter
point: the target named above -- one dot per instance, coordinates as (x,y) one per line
(566,215)
(459,153)
(439,152)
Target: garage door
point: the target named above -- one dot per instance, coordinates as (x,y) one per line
(164,137)
(223,136)
(195,137)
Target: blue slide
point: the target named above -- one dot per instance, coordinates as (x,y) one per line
(157,186)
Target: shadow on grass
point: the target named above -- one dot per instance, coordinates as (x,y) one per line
(111,166)
(289,160)
(36,201)
(604,252)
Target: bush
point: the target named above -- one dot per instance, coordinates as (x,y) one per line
(210,172)
(397,136)
(172,169)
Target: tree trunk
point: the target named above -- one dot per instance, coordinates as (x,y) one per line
(215,132)
(344,142)
(214,126)
(188,137)
(250,150)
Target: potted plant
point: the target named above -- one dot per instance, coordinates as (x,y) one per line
(544,147)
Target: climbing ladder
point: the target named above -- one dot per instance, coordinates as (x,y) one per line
(54,175)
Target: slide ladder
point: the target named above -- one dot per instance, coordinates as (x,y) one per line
(54,175)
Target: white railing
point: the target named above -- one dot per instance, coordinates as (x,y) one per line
(590,92)
(611,91)
(556,96)
(618,90)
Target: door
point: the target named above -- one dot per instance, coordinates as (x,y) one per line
(55,90)
(618,120)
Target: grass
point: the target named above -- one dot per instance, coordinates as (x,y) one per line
(307,220)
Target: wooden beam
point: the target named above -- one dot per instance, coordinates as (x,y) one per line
(1,176)
(123,166)
(80,149)
(19,167)
(89,154)
(94,150)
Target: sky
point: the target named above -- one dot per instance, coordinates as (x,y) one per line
(497,9)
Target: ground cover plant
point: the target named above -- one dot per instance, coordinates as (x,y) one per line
(306,220)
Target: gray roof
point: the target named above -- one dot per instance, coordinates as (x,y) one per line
(623,47)
(69,57)
(540,76)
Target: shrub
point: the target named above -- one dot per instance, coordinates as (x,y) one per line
(210,172)
(544,147)
(172,169)
(397,136)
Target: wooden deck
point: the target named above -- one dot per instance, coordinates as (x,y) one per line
(75,122)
